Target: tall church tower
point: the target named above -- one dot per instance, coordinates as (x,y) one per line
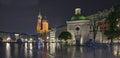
(42,25)
(39,24)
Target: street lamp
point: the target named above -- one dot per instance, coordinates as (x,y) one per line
(94,28)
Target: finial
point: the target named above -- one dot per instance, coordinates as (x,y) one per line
(77,11)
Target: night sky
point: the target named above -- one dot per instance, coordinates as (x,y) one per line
(21,15)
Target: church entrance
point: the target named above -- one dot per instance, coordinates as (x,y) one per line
(78,40)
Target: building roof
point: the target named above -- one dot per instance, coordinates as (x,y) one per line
(78,17)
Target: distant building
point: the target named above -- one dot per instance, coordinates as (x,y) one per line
(79,27)
(13,36)
(59,30)
(82,28)
(52,33)
(42,25)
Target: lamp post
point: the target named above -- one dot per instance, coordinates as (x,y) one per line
(94,28)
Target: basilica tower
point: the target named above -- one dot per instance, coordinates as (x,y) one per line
(42,25)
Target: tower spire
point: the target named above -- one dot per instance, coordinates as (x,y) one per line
(39,14)
(45,17)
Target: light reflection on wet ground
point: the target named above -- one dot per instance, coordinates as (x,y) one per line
(55,50)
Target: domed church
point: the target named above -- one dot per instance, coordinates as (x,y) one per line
(79,27)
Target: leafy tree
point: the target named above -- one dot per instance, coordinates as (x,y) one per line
(113,20)
(1,39)
(65,35)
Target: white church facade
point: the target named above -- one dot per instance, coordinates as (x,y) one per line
(81,29)
(84,28)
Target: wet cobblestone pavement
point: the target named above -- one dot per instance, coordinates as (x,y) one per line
(55,50)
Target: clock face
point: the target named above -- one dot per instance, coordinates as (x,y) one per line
(77,28)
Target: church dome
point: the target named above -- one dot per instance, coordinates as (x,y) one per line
(78,15)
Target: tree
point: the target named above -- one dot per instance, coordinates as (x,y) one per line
(65,35)
(113,21)
(1,39)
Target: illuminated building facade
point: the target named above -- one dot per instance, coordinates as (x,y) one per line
(82,28)
(52,35)
(79,27)
(42,25)
(42,28)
